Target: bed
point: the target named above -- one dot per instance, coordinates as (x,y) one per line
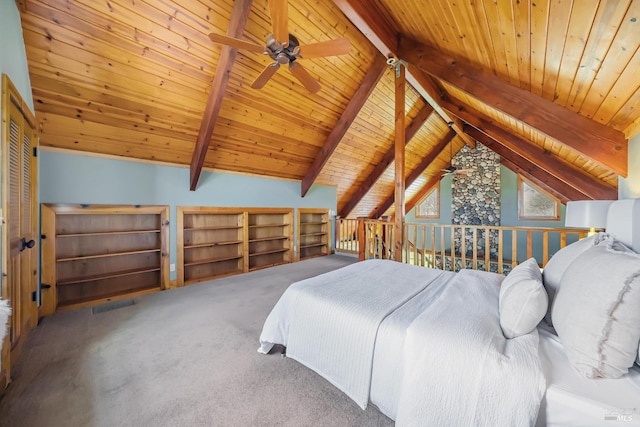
(429,347)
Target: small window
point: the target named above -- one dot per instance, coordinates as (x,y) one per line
(429,207)
(535,203)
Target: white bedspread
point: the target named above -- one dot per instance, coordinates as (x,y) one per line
(458,367)
(329,323)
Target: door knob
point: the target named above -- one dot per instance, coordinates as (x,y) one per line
(24,244)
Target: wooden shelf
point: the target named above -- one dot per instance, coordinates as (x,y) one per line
(212,260)
(243,238)
(208,245)
(95,253)
(78,258)
(312,245)
(219,227)
(313,232)
(266,239)
(272,251)
(105,276)
(93,300)
(268,225)
(108,233)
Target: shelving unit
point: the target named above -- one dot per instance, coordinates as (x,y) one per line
(210,243)
(270,233)
(97,253)
(215,242)
(313,232)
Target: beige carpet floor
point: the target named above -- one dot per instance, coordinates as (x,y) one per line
(184,357)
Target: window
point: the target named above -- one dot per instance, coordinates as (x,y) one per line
(536,204)
(429,207)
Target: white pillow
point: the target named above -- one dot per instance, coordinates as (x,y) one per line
(523,300)
(596,312)
(558,264)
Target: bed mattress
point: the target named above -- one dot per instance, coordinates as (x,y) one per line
(574,400)
(570,400)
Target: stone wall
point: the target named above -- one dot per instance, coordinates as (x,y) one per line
(476,196)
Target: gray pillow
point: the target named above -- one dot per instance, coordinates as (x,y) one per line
(523,300)
(596,312)
(558,264)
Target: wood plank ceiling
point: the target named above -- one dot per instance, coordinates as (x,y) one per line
(552,86)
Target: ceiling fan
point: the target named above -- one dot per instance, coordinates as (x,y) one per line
(452,170)
(284,48)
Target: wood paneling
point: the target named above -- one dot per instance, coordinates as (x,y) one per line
(132,79)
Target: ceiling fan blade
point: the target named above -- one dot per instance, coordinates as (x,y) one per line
(265,75)
(279,12)
(233,42)
(328,48)
(305,78)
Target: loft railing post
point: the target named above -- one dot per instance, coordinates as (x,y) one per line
(361,239)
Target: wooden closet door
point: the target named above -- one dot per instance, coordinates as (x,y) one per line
(22,267)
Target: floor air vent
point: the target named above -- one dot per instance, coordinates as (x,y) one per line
(113,305)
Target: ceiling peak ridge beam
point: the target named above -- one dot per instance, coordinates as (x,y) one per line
(529,169)
(376,27)
(598,142)
(347,117)
(417,171)
(239,16)
(581,181)
(376,173)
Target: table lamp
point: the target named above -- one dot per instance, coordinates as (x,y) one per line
(589,214)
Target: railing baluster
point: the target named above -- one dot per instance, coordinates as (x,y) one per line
(452,249)
(529,243)
(475,248)
(545,247)
(500,254)
(463,247)
(487,249)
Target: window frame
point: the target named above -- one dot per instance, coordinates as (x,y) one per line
(436,187)
(521,216)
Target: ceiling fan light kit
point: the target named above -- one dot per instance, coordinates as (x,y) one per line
(284,48)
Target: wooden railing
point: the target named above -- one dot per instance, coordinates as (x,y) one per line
(346,230)
(453,247)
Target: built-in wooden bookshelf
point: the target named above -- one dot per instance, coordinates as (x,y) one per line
(215,242)
(313,232)
(210,243)
(97,253)
(270,237)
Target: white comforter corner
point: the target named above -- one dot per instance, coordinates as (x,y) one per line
(458,367)
(329,323)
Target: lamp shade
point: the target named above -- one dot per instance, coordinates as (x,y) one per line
(587,213)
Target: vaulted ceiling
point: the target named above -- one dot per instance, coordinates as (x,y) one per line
(552,86)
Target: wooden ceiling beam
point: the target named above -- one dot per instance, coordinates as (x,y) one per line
(383,164)
(604,145)
(239,15)
(417,171)
(344,122)
(530,169)
(374,23)
(583,182)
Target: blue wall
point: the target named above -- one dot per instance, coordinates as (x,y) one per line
(76,178)
(13,58)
